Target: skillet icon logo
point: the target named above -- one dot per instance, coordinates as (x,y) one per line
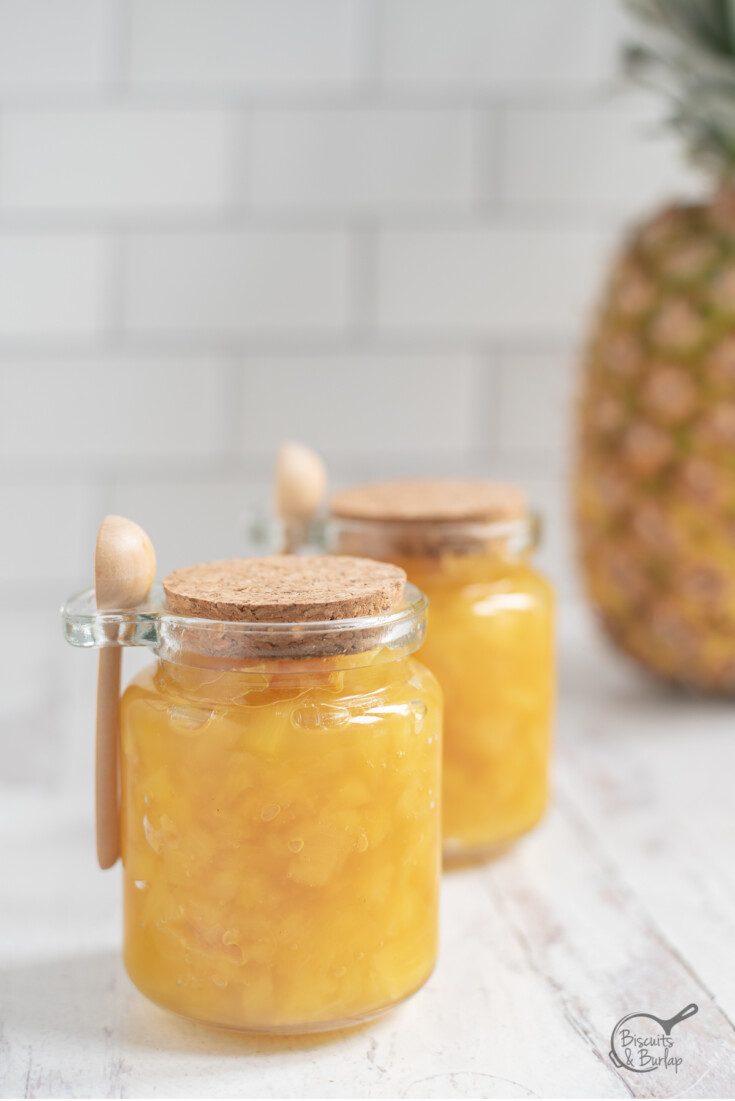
(642,1042)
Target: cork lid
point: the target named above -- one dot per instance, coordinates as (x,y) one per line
(285,589)
(437,500)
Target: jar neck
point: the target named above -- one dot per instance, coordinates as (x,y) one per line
(265,647)
(428,542)
(255,684)
(249,645)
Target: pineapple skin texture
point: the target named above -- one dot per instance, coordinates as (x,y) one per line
(655,463)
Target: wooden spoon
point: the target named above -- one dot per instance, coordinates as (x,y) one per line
(124,568)
(301,485)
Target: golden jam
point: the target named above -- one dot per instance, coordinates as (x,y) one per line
(467,545)
(280,837)
(490,644)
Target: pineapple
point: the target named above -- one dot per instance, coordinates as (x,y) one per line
(655,480)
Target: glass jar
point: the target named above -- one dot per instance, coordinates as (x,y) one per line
(489,643)
(279,813)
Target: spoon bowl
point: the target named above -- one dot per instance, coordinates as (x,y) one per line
(124,564)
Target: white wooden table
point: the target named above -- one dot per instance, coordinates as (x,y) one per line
(624,901)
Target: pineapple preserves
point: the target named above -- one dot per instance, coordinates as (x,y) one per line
(467,545)
(281,797)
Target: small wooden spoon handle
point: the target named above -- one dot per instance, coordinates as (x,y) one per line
(294,534)
(107,751)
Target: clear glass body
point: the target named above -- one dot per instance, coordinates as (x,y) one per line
(490,644)
(280,823)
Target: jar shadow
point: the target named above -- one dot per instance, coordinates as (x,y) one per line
(475,858)
(88,1001)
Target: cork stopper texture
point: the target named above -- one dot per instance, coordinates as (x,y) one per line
(437,500)
(285,589)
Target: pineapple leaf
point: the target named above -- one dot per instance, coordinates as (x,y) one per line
(687,52)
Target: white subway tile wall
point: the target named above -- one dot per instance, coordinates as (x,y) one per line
(577,158)
(504,280)
(360,403)
(110,161)
(53,286)
(134,409)
(255,45)
(479,45)
(47,48)
(227,283)
(351,159)
(375,225)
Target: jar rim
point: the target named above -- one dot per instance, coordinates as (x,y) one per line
(265,530)
(403,540)
(525,527)
(170,635)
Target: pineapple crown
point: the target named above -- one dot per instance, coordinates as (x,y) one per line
(688,52)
